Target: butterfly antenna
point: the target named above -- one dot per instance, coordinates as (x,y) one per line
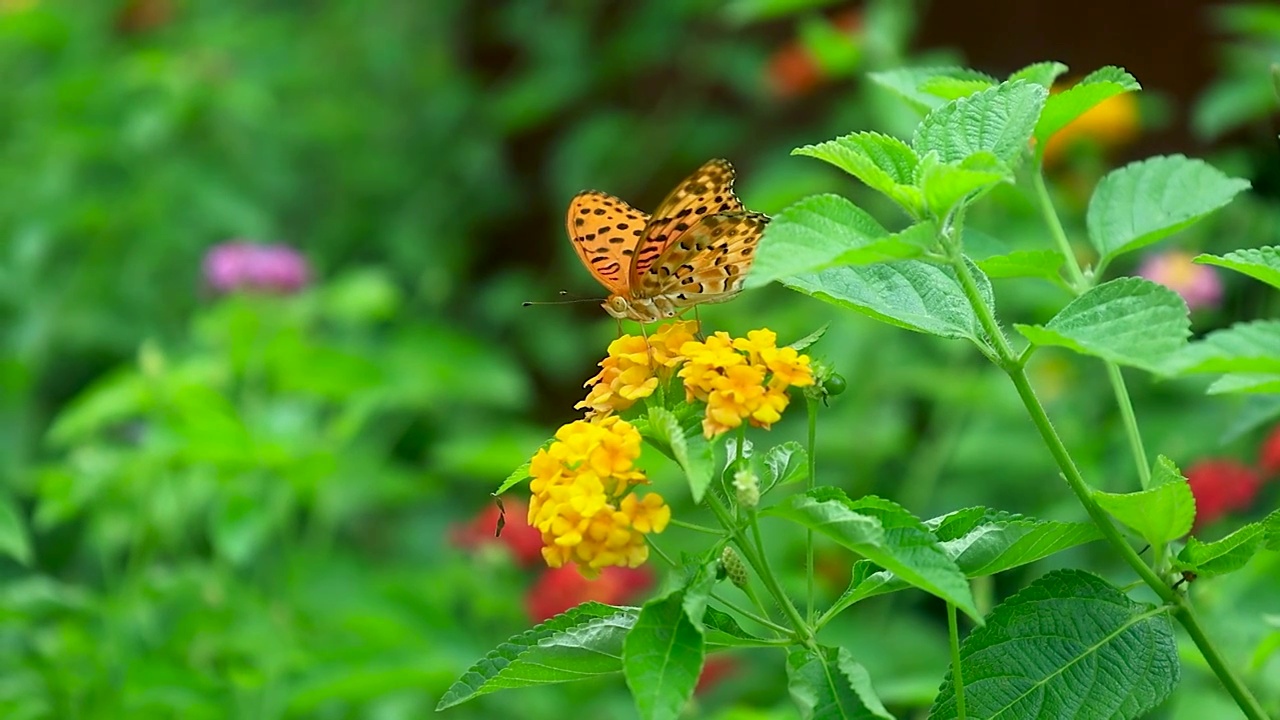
(563,293)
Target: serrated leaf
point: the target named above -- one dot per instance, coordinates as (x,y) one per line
(1160,514)
(948,88)
(809,340)
(691,451)
(1069,645)
(828,683)
(823,231)
(945,185)
(722,630)
(1041,73)
(1252,347)
(785,463)
(909,83)
(582,642)
(910,294)
(1271,531)
(1142,202)
(998,120)
(1258,263)
(1222,556)
(1046,264)
(1060,109)
(662,657)
(1128,321)
(885,164)
(982,542)
(885,533)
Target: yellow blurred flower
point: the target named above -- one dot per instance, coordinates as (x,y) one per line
(1111,123)
(583,501)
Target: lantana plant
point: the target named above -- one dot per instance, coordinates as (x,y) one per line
(1071,643)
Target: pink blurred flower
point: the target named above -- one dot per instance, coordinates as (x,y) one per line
(1199,285)
(239,265)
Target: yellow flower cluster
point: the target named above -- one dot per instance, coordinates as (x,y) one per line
(742,379)
(583,501)
(634,367)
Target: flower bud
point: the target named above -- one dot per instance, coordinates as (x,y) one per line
(733,566)
(827,382)
(746,488)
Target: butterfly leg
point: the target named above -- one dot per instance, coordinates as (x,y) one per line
(702,337)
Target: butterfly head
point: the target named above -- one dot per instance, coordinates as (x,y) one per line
(642,310)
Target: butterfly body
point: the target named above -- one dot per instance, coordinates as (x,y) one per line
(696,247)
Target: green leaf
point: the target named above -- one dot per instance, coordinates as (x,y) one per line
(998,120)
(662,657)
(692,452)
(1258,263)
(809,340)
(583,642)
(15,540)
(910,83)
(1271,531)
(1245,383)
(1069,645)
(910,294)
(1160,514)
(722,630)
(828,683)
(1062,108)
(1045,264)
(1252,347)
(884,533)
(946,185)
(1041,73)
(823,231)
(982,542)
(886,164)
(783,464)
(1145,201)
(1129,321)
(1226,555)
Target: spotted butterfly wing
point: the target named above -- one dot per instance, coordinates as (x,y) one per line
(707,263)
(605,232)
(707,191)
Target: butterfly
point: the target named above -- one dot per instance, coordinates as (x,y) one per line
(696,247)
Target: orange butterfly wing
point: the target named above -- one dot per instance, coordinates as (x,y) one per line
(708,263)
(605,232)
(708,191)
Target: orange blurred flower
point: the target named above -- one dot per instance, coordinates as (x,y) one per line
(1112,123)
(793,71)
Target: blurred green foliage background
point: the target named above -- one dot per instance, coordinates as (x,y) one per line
(249,504)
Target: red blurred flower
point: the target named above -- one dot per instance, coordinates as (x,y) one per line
(794,71)
(523,541)
(139,16)
(1221,486)
(564,587)
(1269,456)
(714,671)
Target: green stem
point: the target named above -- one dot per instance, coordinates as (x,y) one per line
(812,483)
(1078,281)
(1081,489)
(756,559)
(695,527)
(775,588)
(1247,702)
(1130,424)
(953,630)
(752,616)
(1078,285)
